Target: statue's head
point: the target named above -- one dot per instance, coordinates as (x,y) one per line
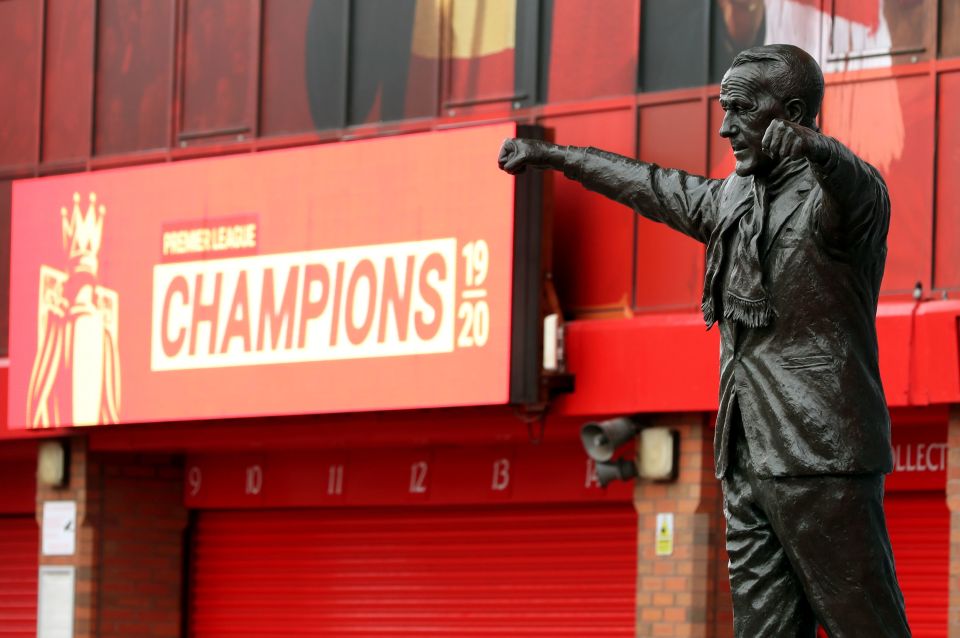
(763,83)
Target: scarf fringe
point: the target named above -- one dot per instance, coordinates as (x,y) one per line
(706,308)
(754,314)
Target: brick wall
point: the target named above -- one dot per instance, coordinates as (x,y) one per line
(142,544)
(130,542)
(685,594)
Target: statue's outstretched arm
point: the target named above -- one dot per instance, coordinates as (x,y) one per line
(687,203)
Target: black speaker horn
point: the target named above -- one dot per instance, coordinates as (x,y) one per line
(619,470)
(601,438)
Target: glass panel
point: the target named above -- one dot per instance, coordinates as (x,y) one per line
(221,49)
(481,37)
(290,31)
(20,40)
(673,44)
(871,32)
(950,28)
(68,80)
(394,66)
(134,75)
(735,25)
(326,62)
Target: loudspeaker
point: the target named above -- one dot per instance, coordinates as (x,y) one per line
(619,470)
(600,439)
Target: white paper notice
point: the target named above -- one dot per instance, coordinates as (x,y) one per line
(59,528)
(55,612)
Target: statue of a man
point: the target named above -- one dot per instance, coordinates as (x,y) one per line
(796,243)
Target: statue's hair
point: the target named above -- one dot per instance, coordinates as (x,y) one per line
(790,73)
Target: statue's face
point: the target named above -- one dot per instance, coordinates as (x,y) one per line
(749,108)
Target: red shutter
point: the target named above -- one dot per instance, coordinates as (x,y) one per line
(545,570)
(19,547)
(919,525)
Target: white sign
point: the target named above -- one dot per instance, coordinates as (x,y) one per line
(665,534)
(347,298)
(55,604)
(59,528)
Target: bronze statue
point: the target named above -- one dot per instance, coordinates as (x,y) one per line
(796,244)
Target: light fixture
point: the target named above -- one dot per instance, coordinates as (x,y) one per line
(53,463)
(658,455)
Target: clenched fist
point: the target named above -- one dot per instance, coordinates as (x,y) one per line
(784,139)
(518,153)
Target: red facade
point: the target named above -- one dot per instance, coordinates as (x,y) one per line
(185,116)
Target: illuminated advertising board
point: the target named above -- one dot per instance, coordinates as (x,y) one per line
(367,275)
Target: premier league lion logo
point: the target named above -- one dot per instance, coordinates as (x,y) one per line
(76,373)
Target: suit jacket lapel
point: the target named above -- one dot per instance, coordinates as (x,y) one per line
(799,194)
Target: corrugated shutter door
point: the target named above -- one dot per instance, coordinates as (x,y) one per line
(919,525)
(19,547)
(544,570)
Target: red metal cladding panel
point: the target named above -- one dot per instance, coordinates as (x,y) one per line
(670,265)
(947,259)
(19,548)
(609,35)
(5,206)
(485,571)
(592,235)
(919,526)
(890,124)
(68,80)
(668,362)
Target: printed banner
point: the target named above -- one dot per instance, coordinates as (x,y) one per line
(364,275)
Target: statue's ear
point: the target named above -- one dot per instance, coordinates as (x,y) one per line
(795,110)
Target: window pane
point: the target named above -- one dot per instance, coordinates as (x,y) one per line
(950,28)
(479,56)
(875,30)
(284,105)
(20,73)
(736,25)
(68,81)
(326,62)
(393,64)
(221,49)
(797,22)
(134,74)
(673,44)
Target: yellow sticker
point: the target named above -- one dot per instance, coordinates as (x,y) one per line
(664,534)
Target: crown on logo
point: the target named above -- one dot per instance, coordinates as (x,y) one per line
(82,233)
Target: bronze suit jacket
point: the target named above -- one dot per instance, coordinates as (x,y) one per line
(807,385)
